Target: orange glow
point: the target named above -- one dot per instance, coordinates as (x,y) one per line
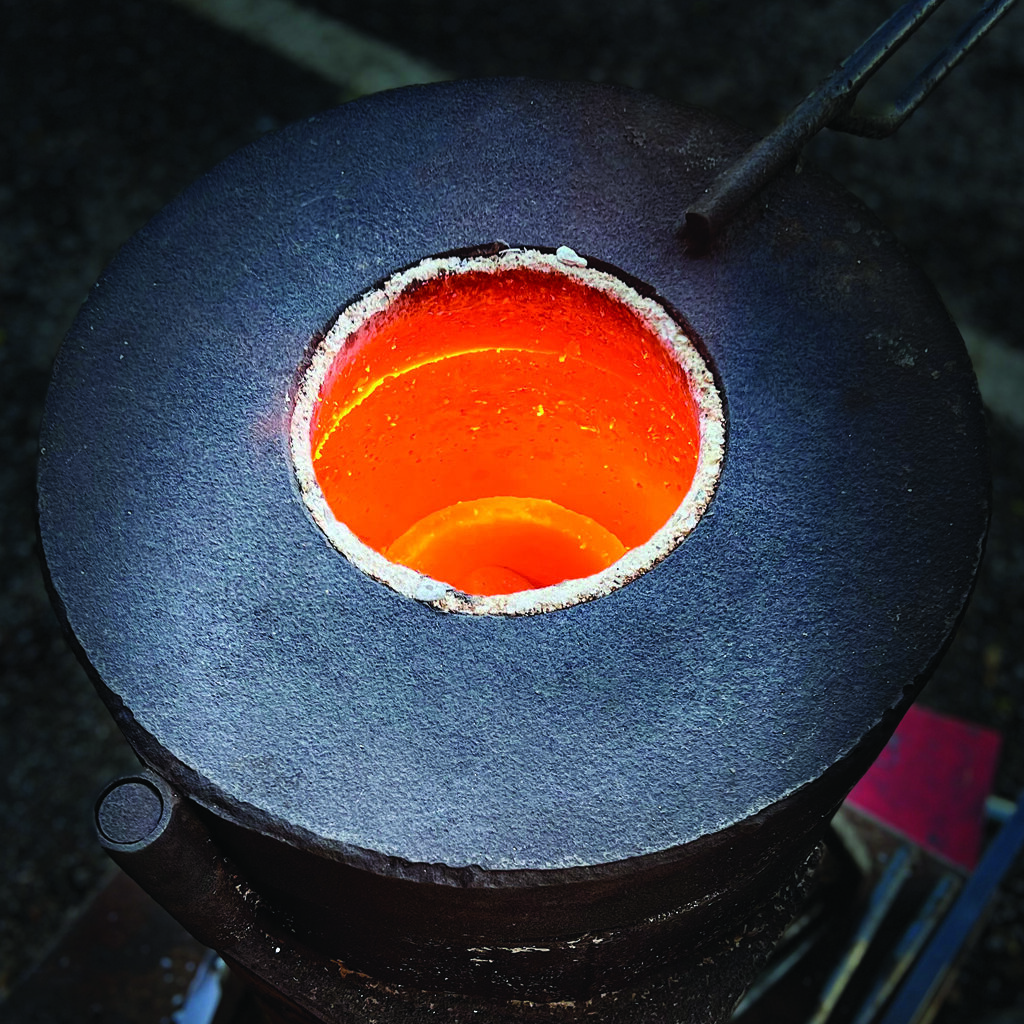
(506,430)
(502,544)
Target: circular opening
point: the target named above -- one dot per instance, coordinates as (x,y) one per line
(508,433)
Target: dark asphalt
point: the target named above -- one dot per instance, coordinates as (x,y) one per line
(111,107)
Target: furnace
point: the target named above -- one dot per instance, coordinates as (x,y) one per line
(600,794)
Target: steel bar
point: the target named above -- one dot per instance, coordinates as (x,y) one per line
(882,896)
(999,809)
(910,944)
(925,981)
(771,977)
(830,105)
(205,993)
(878,126)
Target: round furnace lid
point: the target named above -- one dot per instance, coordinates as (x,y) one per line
(249,661)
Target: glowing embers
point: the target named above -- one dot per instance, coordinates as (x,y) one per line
(493,425)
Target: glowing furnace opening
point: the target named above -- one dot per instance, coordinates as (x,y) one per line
(506,434)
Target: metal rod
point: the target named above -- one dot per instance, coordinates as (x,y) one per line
(880,125)
(910,944)
(204,994)
(882,897)
(999,809)
(830,104)
(774,974)
(915,996)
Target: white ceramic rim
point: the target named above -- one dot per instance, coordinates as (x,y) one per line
(441,595)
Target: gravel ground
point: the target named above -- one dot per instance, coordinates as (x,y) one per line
(108,114)
(112,107)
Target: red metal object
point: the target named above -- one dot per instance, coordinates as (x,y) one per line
(930,784)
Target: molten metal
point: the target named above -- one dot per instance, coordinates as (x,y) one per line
(501,424)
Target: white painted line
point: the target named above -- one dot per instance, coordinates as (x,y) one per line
(345,56)
(1000,371)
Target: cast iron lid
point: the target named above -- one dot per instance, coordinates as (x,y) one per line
(250,662)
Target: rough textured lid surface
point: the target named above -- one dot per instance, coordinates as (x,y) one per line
(285,688)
